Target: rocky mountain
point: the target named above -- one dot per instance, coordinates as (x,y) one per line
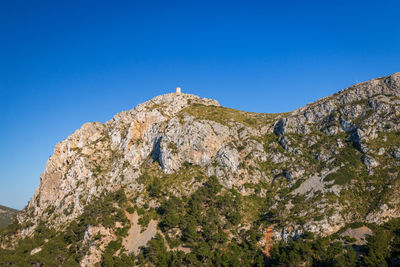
(181,180)
(6,216)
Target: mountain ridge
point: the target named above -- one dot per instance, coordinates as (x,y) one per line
(314,170)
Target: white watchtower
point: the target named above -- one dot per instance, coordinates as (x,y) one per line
(178,90)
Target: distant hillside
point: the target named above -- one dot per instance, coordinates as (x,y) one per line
(6,216)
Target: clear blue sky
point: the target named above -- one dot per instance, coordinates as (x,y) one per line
(64,63)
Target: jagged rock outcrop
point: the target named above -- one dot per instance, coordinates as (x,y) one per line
(99,157)
(377,93)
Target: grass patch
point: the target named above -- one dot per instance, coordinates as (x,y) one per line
(225,115)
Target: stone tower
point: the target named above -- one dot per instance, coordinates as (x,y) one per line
(178,90)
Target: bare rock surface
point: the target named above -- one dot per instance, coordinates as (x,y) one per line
(360,234)
(136,237)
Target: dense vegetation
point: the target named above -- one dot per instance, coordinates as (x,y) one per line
(207,224)
(66,247)
(382,249)
(202,229)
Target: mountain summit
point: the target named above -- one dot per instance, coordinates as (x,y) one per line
(180,179)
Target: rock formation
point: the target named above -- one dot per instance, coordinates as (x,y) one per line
(315,169)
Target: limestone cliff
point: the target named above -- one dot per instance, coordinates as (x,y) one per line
(316,169)
(98,158)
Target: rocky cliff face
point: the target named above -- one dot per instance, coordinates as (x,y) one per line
(377,96)
(318,168)
(100,158)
